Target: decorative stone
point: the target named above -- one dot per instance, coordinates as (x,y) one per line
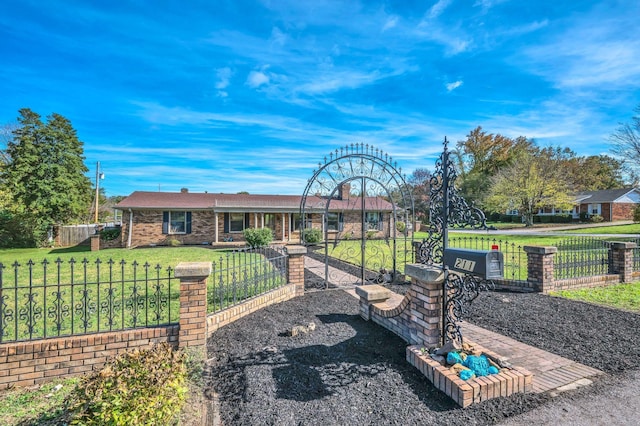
(423,272)
(373,292)
(451,345)
(296,250)
(192,269)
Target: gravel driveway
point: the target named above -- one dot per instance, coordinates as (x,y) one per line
(349,371)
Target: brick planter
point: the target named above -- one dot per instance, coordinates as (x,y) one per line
(507,382)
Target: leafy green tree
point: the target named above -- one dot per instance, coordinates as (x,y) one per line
(480,157)
(535,180)
(420,186)
(45,173)
(595,172)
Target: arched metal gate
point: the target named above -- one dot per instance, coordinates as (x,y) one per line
(355,217)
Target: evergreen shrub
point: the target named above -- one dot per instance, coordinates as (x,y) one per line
(258,237)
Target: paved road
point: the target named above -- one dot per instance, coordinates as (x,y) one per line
(612,405)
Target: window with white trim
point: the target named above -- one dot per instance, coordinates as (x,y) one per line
(176,222)
(334,221)
(236,222)
(595,208)
(373,220)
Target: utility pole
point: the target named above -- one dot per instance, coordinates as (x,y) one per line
(98,177)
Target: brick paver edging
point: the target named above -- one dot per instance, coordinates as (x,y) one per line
(465,393)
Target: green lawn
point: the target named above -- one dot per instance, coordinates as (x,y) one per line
(614,229)
(620,296)
(163,256)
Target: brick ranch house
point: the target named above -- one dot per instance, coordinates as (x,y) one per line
(156,218)
(611,204)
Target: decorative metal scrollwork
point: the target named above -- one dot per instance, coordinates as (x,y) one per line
(448,208)
(356,197)
(461,290)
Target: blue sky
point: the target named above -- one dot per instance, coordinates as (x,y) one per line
(229,96)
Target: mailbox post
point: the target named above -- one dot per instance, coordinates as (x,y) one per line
(467,272)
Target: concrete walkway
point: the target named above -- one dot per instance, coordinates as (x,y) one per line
(336,277)
(550,371)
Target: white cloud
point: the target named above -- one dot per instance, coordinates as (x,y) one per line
(278,37)
(223,76)
(438,8)
(454,85)
(257,79)
(525,29)
(391,23)
(488,4)
(594,51)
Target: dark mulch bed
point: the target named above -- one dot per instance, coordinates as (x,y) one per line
(349,371)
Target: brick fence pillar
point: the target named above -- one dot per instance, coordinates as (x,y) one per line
(193,303)
(425,309)
(622,260)
(540,267)
(95,242)
(295,267)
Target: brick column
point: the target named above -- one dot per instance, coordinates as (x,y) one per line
(193,303)
(425,308)
(95,242)
(622,260)
(540,267)
(295,267)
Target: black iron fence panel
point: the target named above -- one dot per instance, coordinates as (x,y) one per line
(65,298)
(515,258)
(582,257)
(243,273)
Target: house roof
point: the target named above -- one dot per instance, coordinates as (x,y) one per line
(621,195)
(140,200)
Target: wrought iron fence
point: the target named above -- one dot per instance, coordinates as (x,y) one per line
(582,257)
(243,273)
(64,298)
(515,258)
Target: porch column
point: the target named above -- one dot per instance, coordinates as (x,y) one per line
(216,227)
(255,220)
(284,234)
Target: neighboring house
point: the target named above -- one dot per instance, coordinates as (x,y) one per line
(611,204)
(155,218)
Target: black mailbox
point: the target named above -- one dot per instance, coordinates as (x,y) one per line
(486,264)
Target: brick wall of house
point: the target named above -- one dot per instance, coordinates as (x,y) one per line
(623,211)
(353,225)
(255,221)
(147,228)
